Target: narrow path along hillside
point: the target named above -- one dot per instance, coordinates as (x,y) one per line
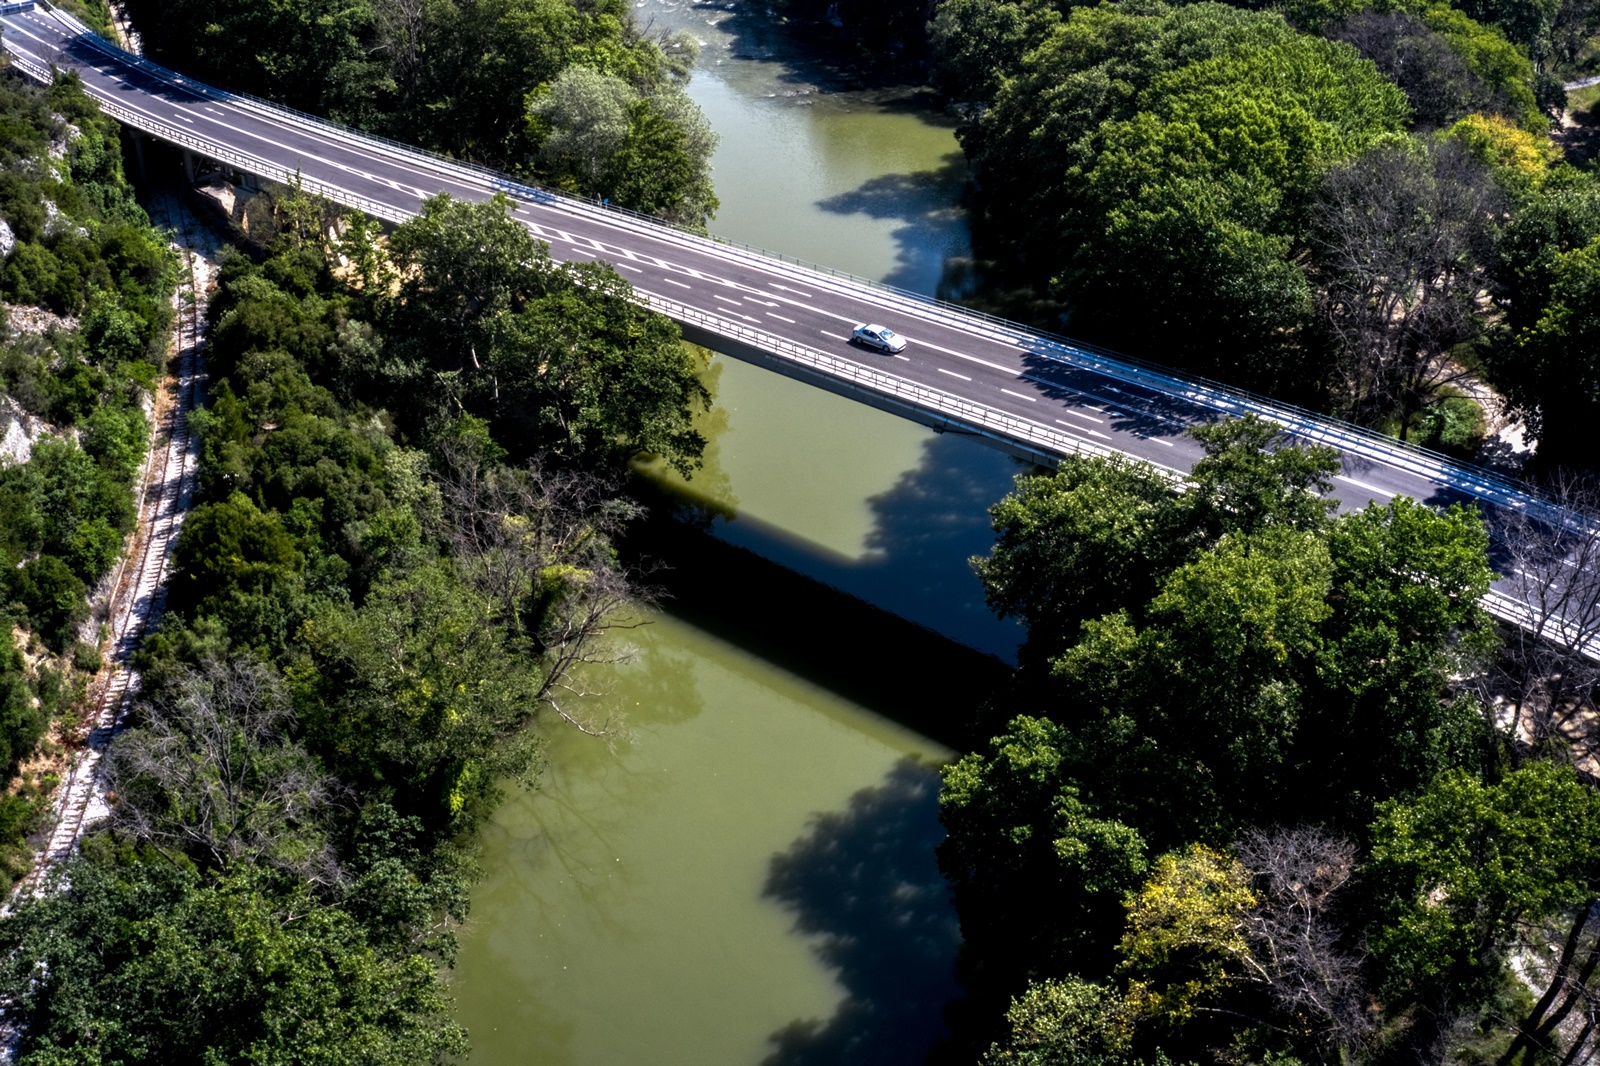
(166,492)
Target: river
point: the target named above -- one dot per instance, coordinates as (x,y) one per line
(746,875)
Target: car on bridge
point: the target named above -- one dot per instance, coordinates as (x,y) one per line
(880,337)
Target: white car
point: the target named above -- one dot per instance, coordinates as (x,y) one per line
(880,337)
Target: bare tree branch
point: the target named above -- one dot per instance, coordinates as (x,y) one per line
(1401,242)
(1297,941)
(212,773)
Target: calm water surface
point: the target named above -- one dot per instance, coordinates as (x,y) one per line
(748,877)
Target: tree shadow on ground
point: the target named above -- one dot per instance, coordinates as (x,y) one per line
(864,883)
(928,203)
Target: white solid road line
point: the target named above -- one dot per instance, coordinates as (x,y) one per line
(1072,430)
(952,373)
(1362,485)
(1018,395)
(338,149)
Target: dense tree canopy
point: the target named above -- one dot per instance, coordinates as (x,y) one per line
(369,614)
(1202,665)
(507,83)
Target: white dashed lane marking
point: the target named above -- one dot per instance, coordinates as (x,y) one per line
(1020,396)
(952,373)
(1362,485)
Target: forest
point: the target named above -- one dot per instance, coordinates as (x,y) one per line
(1267,785)
(370,606)
(572,94)
(1253,796)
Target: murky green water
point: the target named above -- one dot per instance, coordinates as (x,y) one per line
(748,878)
(751,875)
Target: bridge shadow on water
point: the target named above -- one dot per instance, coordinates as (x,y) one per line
(914,558)
(864,884)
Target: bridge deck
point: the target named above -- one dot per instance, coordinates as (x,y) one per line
(1036,394)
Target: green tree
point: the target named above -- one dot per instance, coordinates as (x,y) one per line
(1251,479)
(1038,870)
(1550,368)
(230,547)
(56,600)
(146,963)
(1462,872)
(558,359)
(1195,135)
(1076,544)
(1187,723)
(413,695)
(1067,1022)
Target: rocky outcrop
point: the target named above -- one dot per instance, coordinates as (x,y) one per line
(18,431)
(37,320)
(240,209)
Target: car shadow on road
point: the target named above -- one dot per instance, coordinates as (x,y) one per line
(864,884)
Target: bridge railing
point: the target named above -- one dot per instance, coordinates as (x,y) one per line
(1308,424)
(961,413)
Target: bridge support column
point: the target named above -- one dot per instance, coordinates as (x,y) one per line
(188,164)
(138,151)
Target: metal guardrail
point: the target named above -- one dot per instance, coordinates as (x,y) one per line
(958,411)
(1311,425)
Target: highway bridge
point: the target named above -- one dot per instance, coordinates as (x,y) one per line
(1034,394)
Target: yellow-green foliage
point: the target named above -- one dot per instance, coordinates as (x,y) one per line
(1504,145)
(1185,931)
(1497,61)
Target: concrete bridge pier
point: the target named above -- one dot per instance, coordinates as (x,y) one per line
(138,150)
(189,165)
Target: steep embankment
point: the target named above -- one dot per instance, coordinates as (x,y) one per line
(166,493)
